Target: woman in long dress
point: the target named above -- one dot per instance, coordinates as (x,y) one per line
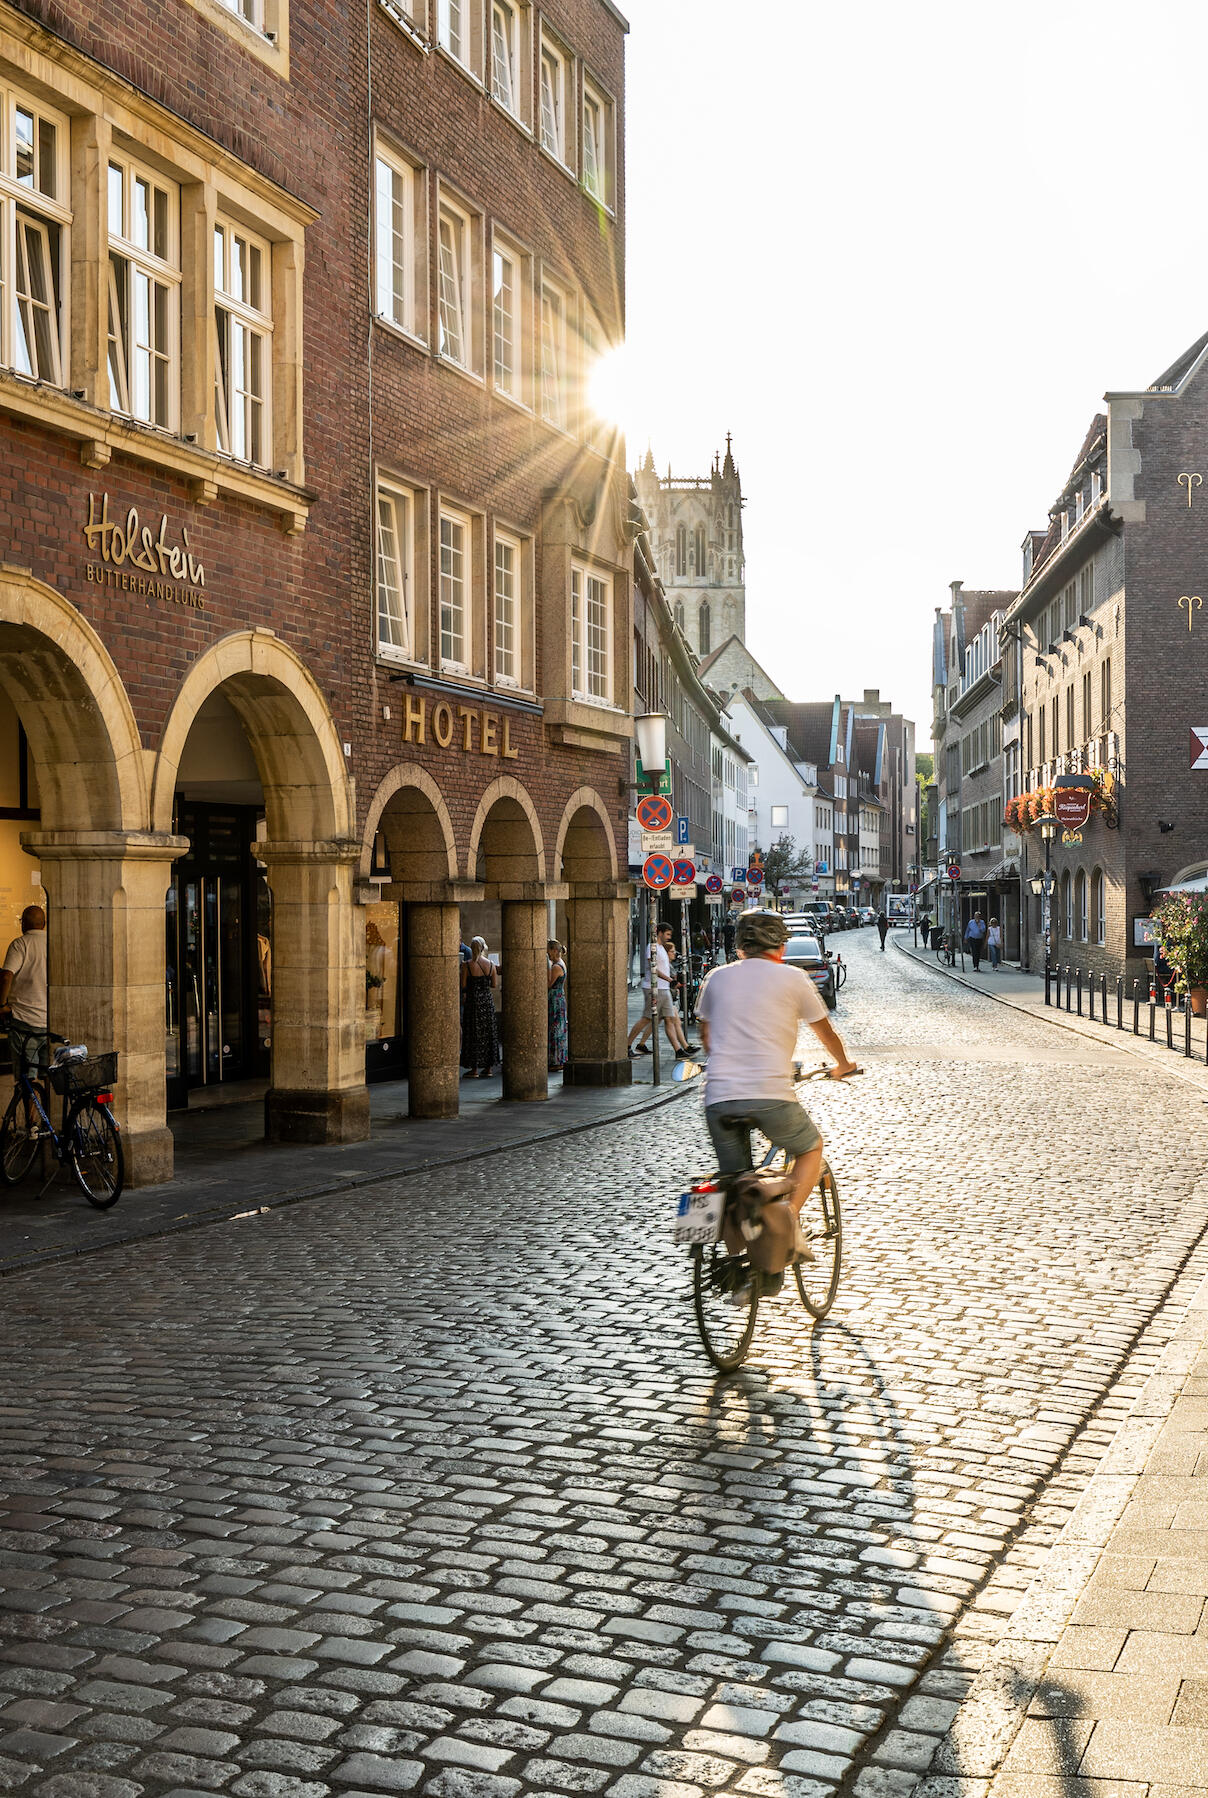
(479,1027)
(557,1005)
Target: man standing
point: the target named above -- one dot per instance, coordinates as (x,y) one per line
(882,927)
(23,988)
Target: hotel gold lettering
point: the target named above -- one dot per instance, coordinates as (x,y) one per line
(126,546)
(479,732)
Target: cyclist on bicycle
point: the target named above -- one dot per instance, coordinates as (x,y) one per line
(23,994)
(749,1013)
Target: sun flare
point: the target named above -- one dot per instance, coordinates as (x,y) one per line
(608,387)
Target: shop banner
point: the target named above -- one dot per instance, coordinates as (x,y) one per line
(1072,800)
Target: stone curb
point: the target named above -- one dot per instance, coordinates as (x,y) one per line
(349,1183)
(969,1757)
(1154,1055)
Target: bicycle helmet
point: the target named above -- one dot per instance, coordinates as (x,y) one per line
(761,932)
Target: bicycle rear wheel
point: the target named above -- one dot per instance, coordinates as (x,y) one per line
(18,1146)
(818,1280)
(95,1153)
(726,1328)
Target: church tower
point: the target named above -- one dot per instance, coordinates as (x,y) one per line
(696,533)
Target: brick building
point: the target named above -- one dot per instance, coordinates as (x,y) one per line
(315,603)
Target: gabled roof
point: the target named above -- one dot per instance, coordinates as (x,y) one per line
(1178,371)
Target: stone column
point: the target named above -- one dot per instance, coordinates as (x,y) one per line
(318,1092)
(525,1011)
(105,955)
(433,1017)
(597,942)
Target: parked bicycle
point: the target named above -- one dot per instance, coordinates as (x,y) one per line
(946,951)
(88,1139)
(726,1288)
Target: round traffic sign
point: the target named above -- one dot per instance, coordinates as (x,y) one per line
(655,813)
(685,873)
(754,876)
(713,884)
(658,871)
(954,872)
(737,896)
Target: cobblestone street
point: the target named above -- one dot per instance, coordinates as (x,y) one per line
(428,1485)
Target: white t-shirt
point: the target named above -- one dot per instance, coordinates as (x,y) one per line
(753,1010)
(26,962)
(663,963)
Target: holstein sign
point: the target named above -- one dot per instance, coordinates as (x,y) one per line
(1072,800)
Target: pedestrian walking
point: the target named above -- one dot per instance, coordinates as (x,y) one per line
(663,955)
(925,927)
(556,1004)
(994,944)
(882,927)
(727,936)
(479,1025)
(975,937)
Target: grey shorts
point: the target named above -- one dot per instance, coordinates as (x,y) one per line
(783,1122)
(665,1007)
(29,1047)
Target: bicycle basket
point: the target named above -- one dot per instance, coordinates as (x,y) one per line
(95,1075)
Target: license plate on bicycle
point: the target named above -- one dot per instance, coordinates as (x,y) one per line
(697,1218)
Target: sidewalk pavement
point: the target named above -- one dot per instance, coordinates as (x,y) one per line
(225,1169)
(1099,1685)
(1025,992)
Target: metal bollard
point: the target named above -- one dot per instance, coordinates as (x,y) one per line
(1068,979)
(1048,979)
(1136,1008)
(1119,1001)
(1169,1027)
(1153,1014)
(1090,997)
(1079,992)
(1103,994)
(1187,1030)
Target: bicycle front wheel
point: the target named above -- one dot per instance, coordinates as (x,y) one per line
(818,1279)
(726,1326)
(18,1145)
(95,1153)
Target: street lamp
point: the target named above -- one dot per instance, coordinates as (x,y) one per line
(1048,830)
(651,733)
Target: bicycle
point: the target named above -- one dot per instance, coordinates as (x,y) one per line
(727,1329)
(946,952)
(88,1139)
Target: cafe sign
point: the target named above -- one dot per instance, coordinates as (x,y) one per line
(136,559)
(1072,800)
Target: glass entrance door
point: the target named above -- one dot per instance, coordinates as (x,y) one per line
(219,954)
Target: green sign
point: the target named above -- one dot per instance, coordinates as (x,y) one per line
(664,786)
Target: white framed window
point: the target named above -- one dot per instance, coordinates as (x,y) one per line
(250,11)
(456,243)
(598,144)
(35,222)
(243,323)
(398,242)
(506,320)
(511,75)
(143,293)
(395,525)
(509,607)
(556,100)
(456,591)
(459,32)
(591,634)
(555,343)
(780,817)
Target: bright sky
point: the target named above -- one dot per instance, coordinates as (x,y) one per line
(902,252)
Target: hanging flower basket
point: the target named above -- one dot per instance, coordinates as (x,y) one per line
(1021,814)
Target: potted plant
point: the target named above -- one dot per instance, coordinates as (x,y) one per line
(1182,929)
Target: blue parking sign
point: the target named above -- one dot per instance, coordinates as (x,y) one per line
(683,830)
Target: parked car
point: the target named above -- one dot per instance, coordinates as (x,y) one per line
(868,915)
(854,918)
(807,953)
